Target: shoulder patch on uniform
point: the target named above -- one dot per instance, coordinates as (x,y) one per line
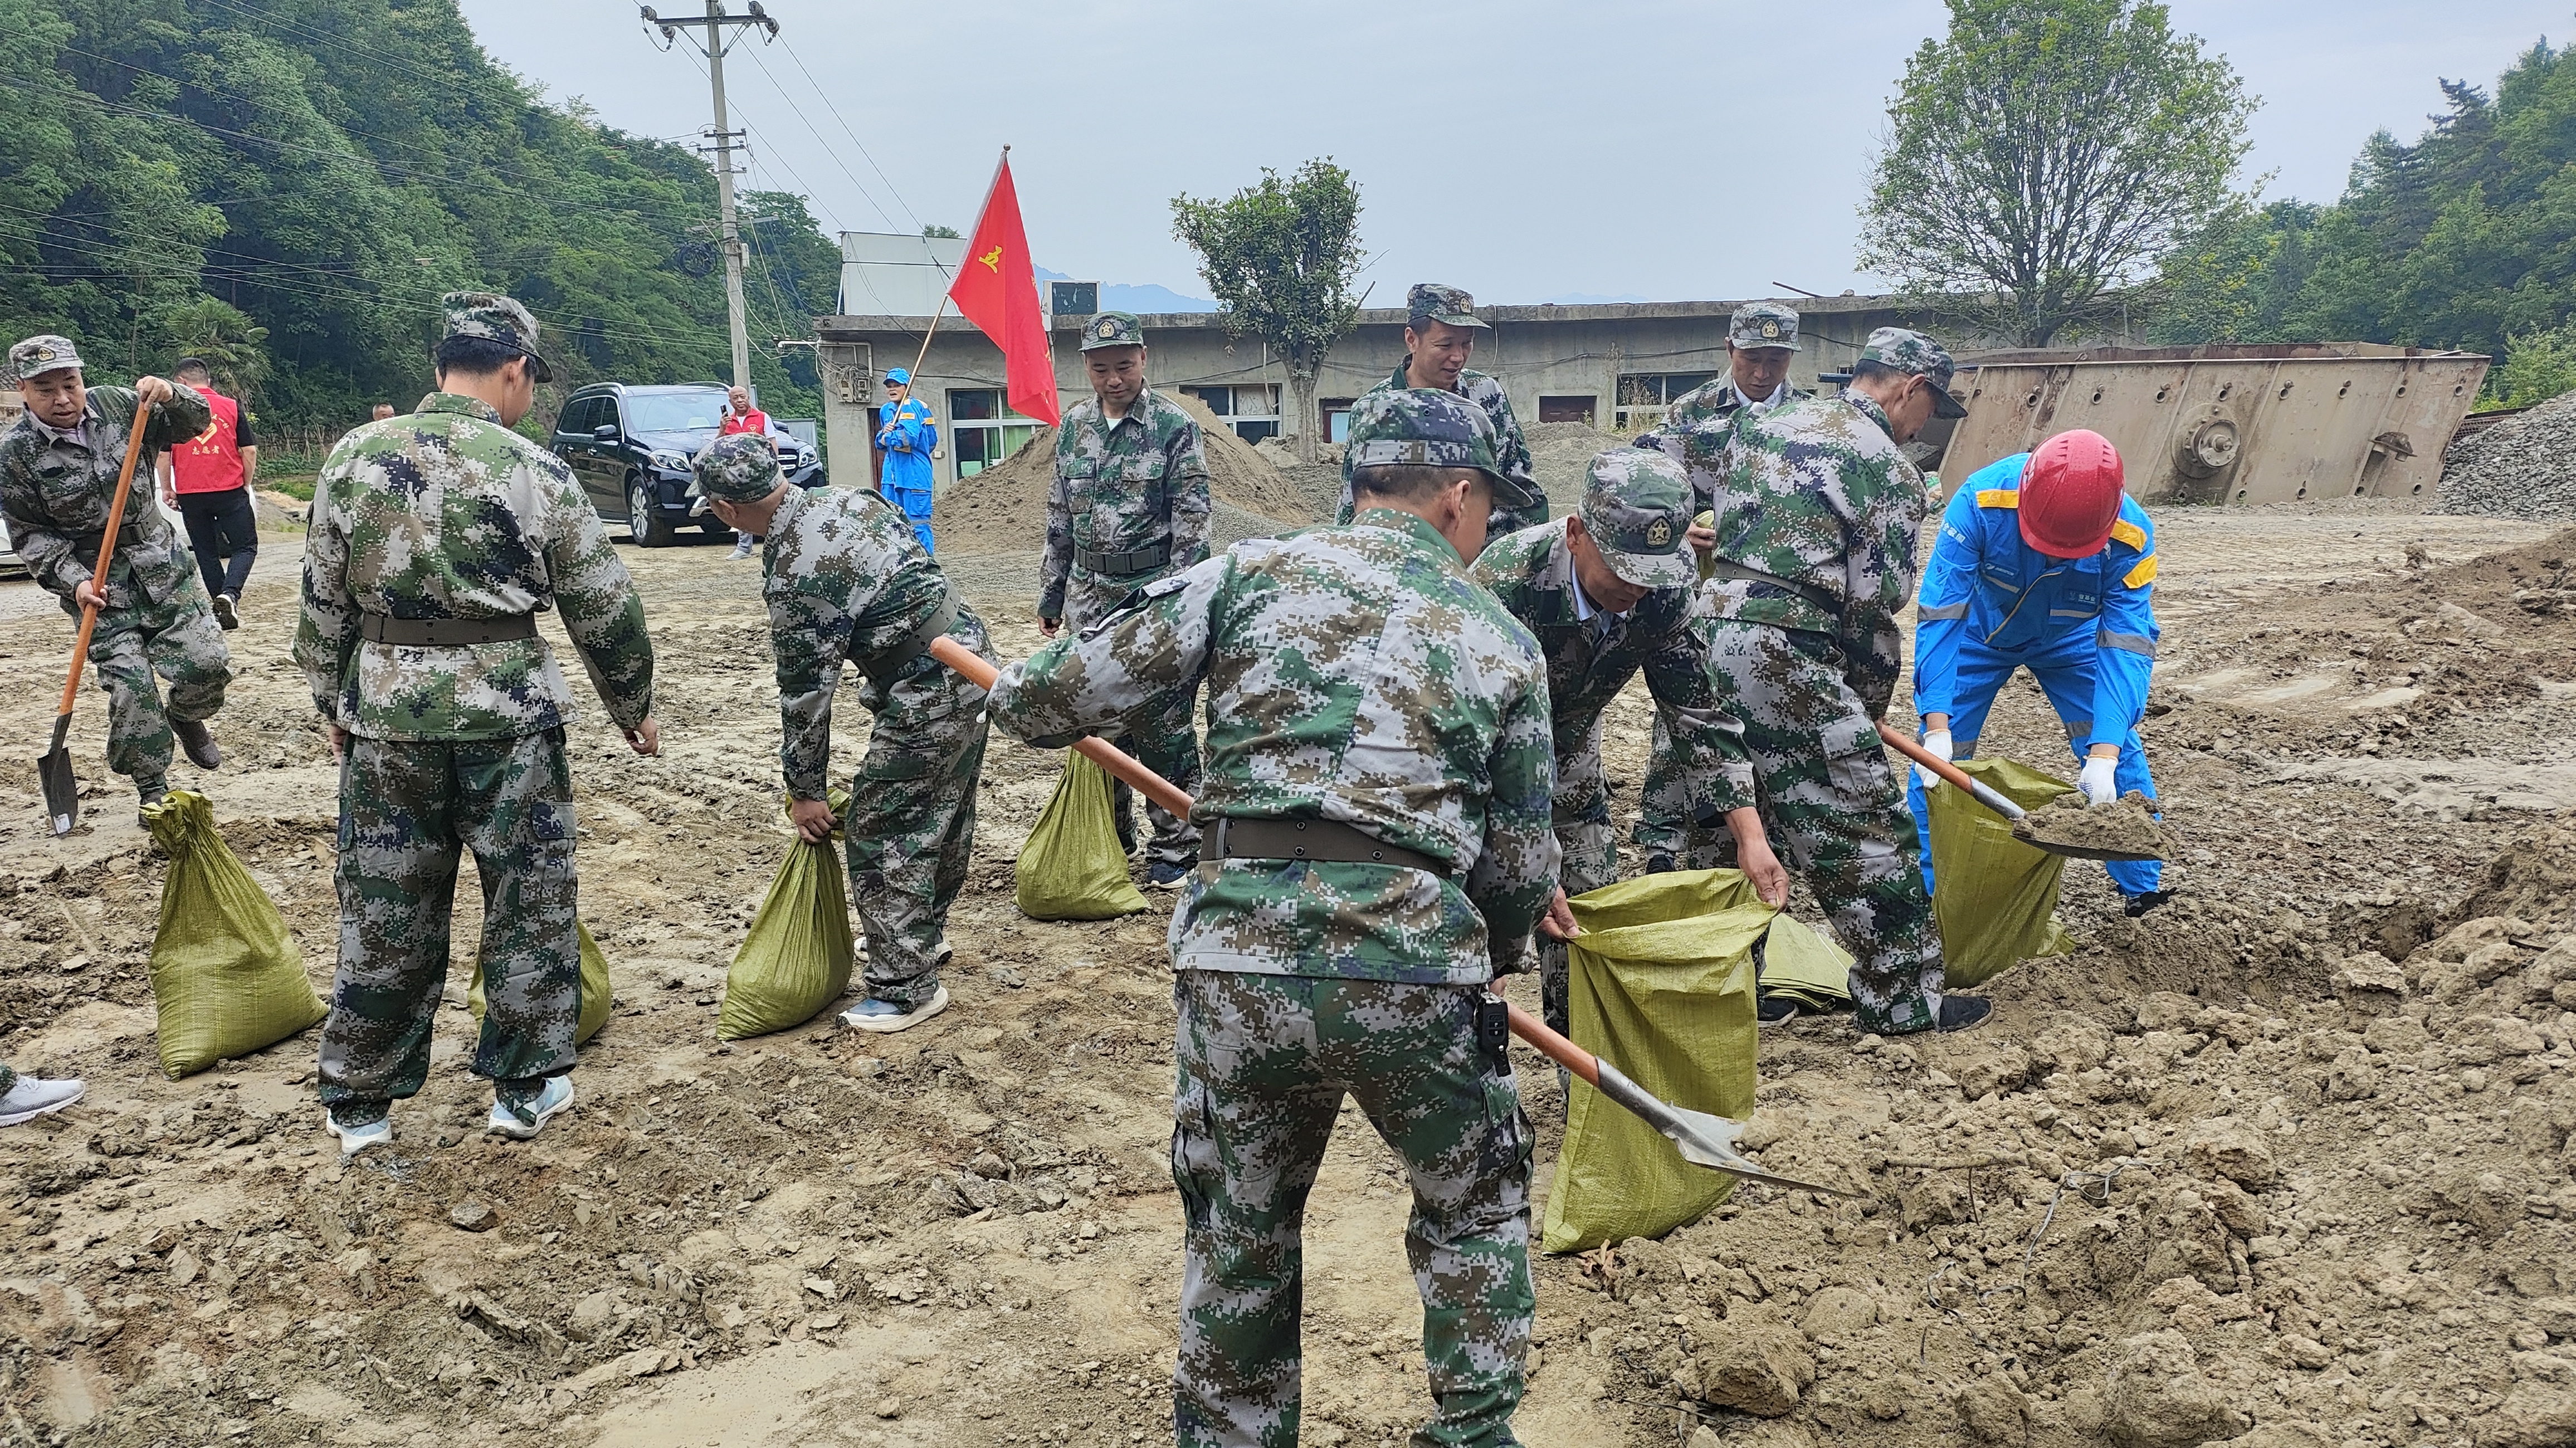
(2142,575)
(1999,498)
(2130,533)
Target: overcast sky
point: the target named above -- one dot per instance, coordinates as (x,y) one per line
(1526,151)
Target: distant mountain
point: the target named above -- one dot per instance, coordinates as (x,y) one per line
(1121,297)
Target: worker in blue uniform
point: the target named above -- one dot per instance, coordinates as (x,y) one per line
(907,435)
(2043,563)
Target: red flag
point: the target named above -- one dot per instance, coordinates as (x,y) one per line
(998,292)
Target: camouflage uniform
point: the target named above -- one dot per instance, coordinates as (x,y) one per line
(1635,506)
(1139,486)
(846,580)
(1430,302)
(1693,434)
(55,492)
(1355,674)
(446,515)
(1815,557)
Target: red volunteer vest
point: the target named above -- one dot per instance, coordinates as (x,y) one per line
(210,462)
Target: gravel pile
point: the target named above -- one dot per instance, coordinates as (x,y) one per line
(2524,468)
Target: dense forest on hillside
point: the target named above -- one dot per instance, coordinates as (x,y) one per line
(2465,238)
(286,186)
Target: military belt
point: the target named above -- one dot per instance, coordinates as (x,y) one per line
(1123,565)
(1315,841)
(444,633)
(883,667)
(1728,568)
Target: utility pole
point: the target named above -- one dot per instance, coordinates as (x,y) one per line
(714,44)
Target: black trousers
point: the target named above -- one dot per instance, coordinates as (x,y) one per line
(223,531)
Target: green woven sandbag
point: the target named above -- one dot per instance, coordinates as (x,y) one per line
(596,997)
(227,979)
(1804,963)
(798,956)
(1072,867)
(1994,897)
(1661,986)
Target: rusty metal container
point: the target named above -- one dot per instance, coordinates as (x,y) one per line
(2229,424)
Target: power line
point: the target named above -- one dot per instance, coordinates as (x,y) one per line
(891,190)
(818,138)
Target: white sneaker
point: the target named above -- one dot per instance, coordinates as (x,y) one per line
(32,1097)
(741,548)
(355,1139)
(519,1123)
(883,1017)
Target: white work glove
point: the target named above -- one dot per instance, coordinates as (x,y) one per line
(2096,782)
(1937,741)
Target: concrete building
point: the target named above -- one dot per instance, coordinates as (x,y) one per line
(1613,366)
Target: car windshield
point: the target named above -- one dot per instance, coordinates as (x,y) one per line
(674,411)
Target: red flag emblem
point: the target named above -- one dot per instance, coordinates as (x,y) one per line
(999,294)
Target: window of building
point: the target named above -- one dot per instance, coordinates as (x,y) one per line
(1643,396)
(983,430)
(1337,417)
(1251,409)
(1567,409)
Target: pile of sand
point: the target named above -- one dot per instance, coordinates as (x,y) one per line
(1003,508)
(1560,452)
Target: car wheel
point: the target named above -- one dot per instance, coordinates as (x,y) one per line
(644,521)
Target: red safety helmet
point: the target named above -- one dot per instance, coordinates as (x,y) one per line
(2070,494)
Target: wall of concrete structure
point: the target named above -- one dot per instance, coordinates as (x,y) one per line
(1539,353)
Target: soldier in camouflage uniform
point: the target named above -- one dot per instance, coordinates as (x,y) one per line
(435,540)
(1814,559)
(1439,336)
(1130,505)
(1376,835)
(1760,339)
(846,579)
(1607,591)
(58,471)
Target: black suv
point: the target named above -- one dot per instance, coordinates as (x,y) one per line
(630,447)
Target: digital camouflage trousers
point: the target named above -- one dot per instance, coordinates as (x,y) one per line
(1589,848)
(1164,740)
(911,829)
(177,639)
(1265,1063)
(408,811)
(1664,805)
(1835,812)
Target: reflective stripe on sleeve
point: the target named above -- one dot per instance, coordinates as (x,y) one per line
(2129,533)
(2134,643)
(2142,575)
(1999,498)
(1931,612)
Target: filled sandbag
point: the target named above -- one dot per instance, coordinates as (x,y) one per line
(227,979)
(1072,867)
(1994,897)
(1660,985)
(797,958)
(595,995)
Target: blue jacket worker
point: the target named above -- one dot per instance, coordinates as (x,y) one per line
(907,436)
(2045,564)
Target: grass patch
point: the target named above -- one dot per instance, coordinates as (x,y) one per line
(298,486)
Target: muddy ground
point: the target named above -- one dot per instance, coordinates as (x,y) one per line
(2281,1163)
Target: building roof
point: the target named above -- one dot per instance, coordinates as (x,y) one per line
(1395,316)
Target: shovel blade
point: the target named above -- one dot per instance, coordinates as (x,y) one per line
(62,792)
(1709,1141)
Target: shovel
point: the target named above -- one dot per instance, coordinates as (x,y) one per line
(1953,774)
(54,771)
(1703,1140)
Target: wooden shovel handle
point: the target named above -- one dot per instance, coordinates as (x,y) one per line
(1548,1043)
(965,663)
(1950,773)
(106,552)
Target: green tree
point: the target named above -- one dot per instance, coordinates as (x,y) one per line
(1280,257)
(938,232)
(2537,367)
(221,336)
(2045,154)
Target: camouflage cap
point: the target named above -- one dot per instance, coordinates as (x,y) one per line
(494,318)
(1432,302)
(1904,351)
(1112,329)
(42,353)
(740,468)
(1762,324)
(1636,506)
(1396,426)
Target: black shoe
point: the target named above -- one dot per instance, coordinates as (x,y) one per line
(1166,874)
(227,615)
(1771,1010)
(199,742)
(2140,904)
(1659,864)
(1964,1013)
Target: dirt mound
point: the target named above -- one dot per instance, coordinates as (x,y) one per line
(2537,580)
(2523,467)
(1560,452)
(1003,508)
